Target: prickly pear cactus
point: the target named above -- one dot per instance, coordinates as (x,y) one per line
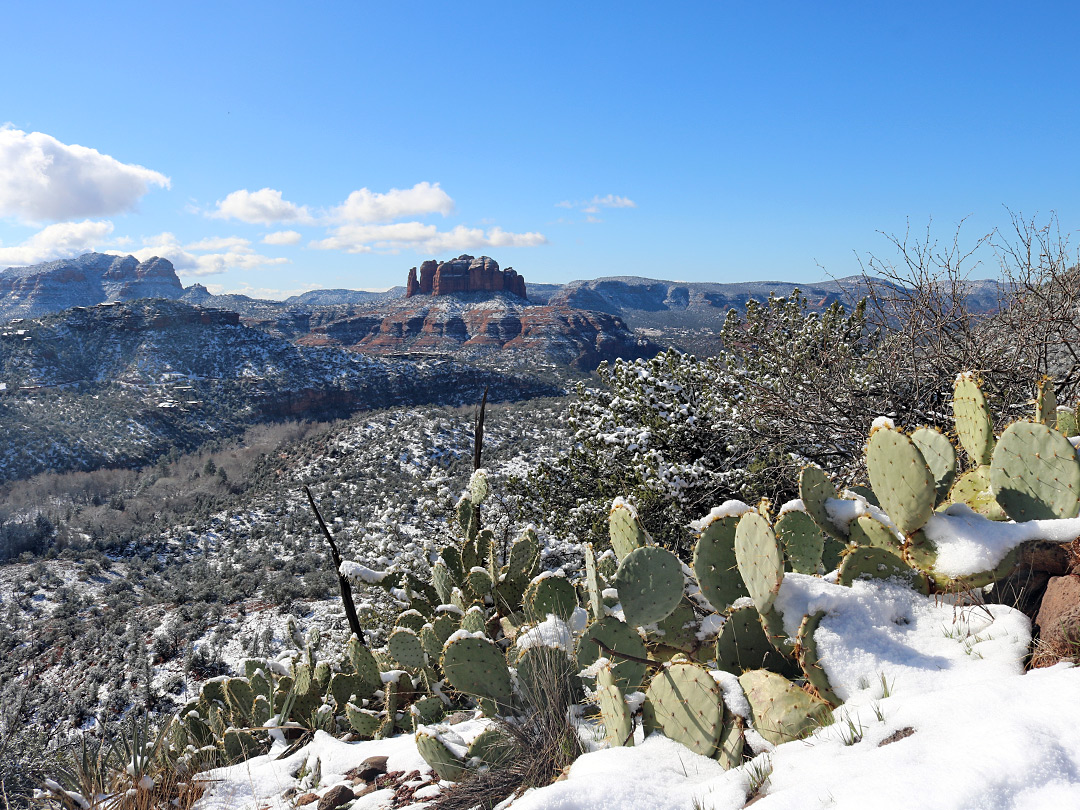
(476,667)
(442,760)
(620,637)
(650,584)
(973,489)
(743,645)
(550,595)
(802,541)
(879,563)
(901,480)
(405,648)
(1046,403)
(782,711)
(625,529)
(618,723)
(759,560)
(940,457)
(714,563)
(1035,473)
(684,702)
(866,531)
(809,660)
(815,490)
(974,427)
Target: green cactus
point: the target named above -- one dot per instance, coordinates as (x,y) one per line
(684,702)
(411,619)
(442,760)
(802,541)
(809,661)
(240,699)
(405,647)
(759,560)
(973,488)
(550,595)
(492,747)
(476,667)
(479,489)
(714,563)
(940,457)
(781,711)
(474,620)
(879,563)
(625,530)
(901,480)
(743,645)
(729,750)
(618,723)
(364,722)
(868,531)
(650,584)
(815,490)
(974,427)
(478,583)
(593,588)
(679,629)
(1035,473)
(621,638)
(1046,403)
(1066,423)
(524,557)
(240,745)
(365,666)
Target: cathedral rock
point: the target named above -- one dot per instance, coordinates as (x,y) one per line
(464,274)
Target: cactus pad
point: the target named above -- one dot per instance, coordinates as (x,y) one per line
(714,563)
(802,541)
(476,667)
(902,482)
(618,724)
(867,531)
(440,758)
(782,711)
(729,750)
(974,427)
(478,583)
(650,584)
(879,563)
(594,590)
(684,701)
(1035,473)
(808,658)
(815,490)
(550,595)
(1046,403)
(1066,423)
(625,529)
(474,620)
(479,489)
(524,556)
(679,629)
(743,645)
(404,645)
(940,457)
(620,637)
(492,746)
(364,665)
(759,560)
(412,619)
(973,488)
(346,688)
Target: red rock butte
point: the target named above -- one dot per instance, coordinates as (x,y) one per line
(464,274)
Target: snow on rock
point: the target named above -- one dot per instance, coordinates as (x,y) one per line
(879,629)
(258,782)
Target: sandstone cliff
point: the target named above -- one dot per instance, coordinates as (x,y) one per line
(464,274)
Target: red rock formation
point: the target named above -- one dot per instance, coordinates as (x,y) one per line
(464,274)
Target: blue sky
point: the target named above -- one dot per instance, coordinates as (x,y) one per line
(270,148)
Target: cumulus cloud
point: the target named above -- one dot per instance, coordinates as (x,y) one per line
(59,241)
(263,207)
(371,206)
(43,179)
(207,256)
(594,205)
(422,238)
(282,238)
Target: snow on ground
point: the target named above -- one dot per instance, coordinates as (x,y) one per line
(939,713)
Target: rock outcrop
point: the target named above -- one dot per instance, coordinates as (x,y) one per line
(93,278)
(463,274)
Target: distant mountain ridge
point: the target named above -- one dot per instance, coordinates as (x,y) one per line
(93,278)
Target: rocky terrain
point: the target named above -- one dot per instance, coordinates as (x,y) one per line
(93,278)
(464,274)
(120,384)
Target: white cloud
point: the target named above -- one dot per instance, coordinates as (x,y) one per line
(207,256)
(370,206)
(263,207)
(594,205)
(43,179)
(422,238)
(59,241)
(282,238)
